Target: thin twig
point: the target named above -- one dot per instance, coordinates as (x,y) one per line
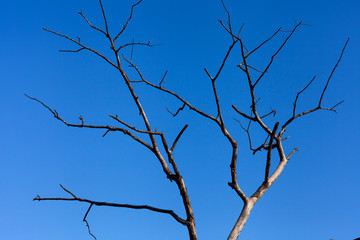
(162,79)
(298,94)
(275,54)
(332,72)
(94,27)
(132,44)
(263,43)
(105,21)
(128,20)
(177,112)
(88,227)
(72,51)
(178,137)
(87,224)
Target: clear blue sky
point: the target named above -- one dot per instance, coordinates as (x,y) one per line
(316,197)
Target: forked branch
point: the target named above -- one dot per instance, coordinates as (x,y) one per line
(319,107)
(83,46)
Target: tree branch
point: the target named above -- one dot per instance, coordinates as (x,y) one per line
(171,93)
(87,224)
(94,27)
(133,128)
(252,92)
(178,137)
(268,159)
(135,43)
(298,94)
(128,20)
(105,21)
(273,56)
(319,107)
(131,206)
(82,125)
(83,46)
(332,72)
(267,40)
(177,111)
(243,114)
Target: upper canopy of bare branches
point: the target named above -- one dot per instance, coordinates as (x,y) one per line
(155,140)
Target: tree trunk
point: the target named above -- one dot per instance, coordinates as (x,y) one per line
(240,223)
(192,231)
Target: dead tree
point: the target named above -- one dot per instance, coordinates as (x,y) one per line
(153,140)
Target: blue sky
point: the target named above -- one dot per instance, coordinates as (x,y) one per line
(317,195)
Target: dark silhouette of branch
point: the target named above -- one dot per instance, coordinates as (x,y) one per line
(88,22)
(178,137)
(273,56)
(229,19)
(213,79)
(268,159)
(83,46)
(105,20)
(243,114)
(298,94)
(171,93)
(72,51)
(162,79)
(133,128)
(86,222)
(148,44)
(319,107)
(263,43)
(82,125)
(119,205)
(177,111)
(332,72)
(268,114)
(128,20)
(162,150)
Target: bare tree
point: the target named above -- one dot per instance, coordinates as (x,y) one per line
(155,140)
